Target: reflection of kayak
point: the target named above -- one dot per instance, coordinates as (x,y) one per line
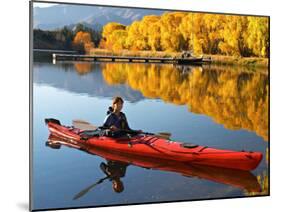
(152,146)
(238,178)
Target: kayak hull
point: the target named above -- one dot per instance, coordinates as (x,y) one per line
(237,178)
(152,146)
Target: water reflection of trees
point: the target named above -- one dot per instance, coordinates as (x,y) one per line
(237,99)
(83,68)
(263,180)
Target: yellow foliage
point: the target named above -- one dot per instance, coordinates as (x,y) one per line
(263,180)
(201,33)
(110,34)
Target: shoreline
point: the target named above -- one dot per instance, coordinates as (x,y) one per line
(223,60)
(216,59)
(251,62)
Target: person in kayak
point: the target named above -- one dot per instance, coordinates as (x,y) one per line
(115,119)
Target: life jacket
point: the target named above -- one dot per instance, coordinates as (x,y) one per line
(123,119)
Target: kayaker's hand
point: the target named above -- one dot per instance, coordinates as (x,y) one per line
(113,128)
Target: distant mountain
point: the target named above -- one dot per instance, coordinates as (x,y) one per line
(57,16)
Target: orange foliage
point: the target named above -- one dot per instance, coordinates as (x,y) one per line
(83,38)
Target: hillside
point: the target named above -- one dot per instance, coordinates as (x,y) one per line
(57,16)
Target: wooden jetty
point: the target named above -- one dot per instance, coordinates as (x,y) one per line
(131,59)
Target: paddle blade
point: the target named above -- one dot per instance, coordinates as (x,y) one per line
(83,125)
(86,190)
(80,194)
(162,136)
(165,133)
(81,121)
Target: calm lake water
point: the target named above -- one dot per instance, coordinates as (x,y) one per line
(221,107)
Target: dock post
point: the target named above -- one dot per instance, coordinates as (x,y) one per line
(54,59)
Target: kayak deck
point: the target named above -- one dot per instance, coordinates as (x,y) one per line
(152,146)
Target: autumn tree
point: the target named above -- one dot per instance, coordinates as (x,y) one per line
(83,39)
(154,32)
(233,35)
(257,36)
(94,32)
(118,39)
(171,37)
(107,31)
(137,38)
(185,29)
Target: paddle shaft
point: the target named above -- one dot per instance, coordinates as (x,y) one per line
(84,125)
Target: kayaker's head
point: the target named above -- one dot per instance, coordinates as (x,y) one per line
(117,185)
(117,104)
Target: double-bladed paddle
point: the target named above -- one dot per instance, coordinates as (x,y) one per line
(84,125)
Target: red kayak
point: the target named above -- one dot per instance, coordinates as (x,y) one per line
(152,146)
(237,178)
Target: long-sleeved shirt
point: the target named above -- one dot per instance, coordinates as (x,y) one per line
(118,121)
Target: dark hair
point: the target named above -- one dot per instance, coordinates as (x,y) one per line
(117,99)
(114,101)
(118,187)
(110,110)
